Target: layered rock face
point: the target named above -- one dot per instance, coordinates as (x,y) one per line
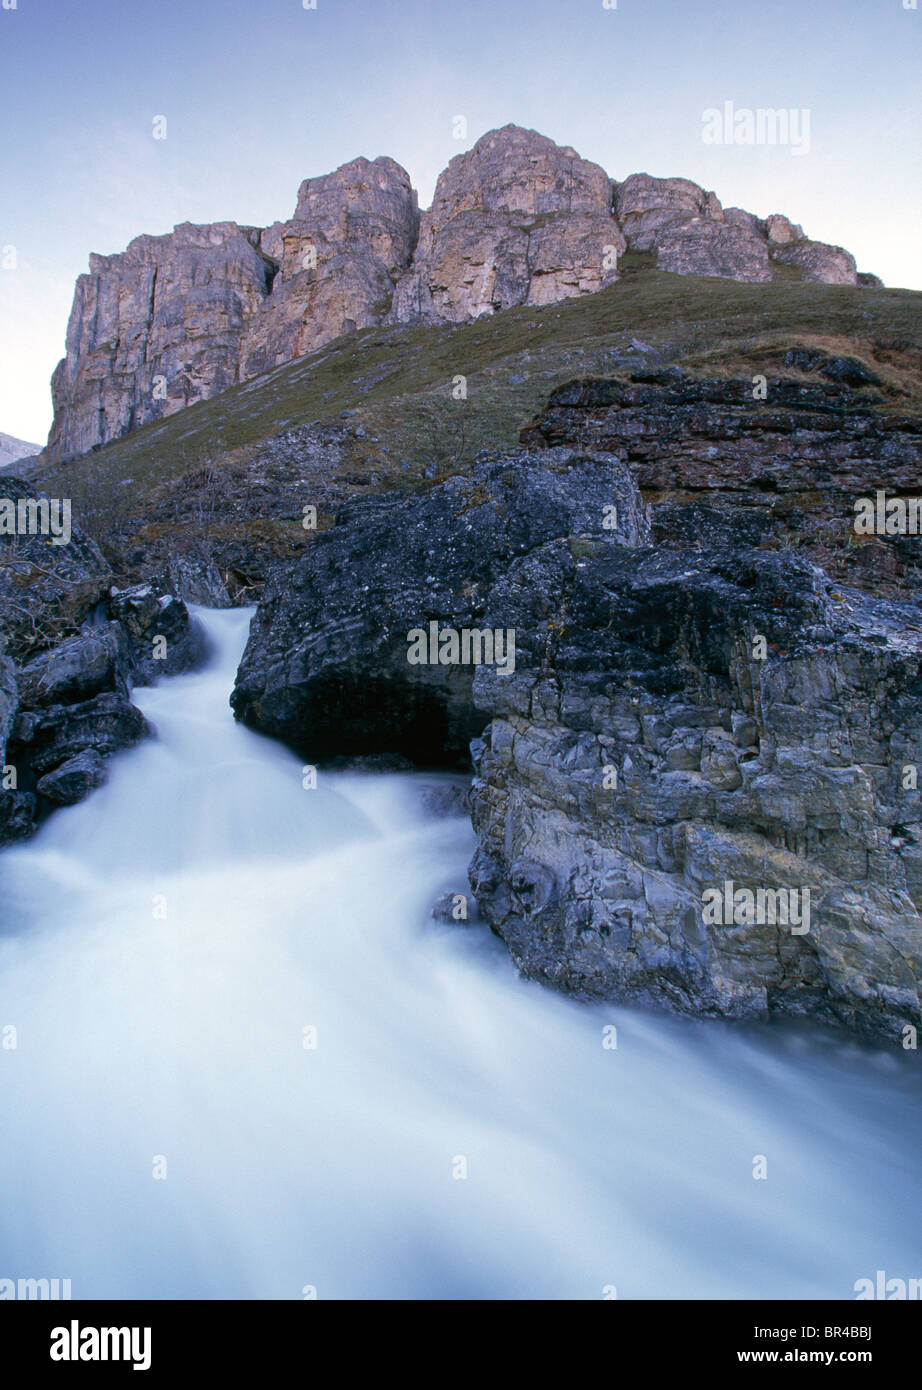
(697,783)
(154,329)
(515,220)
(339,257)
(645,758)
(719,467)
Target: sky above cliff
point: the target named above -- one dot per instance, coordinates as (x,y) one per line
(259,94)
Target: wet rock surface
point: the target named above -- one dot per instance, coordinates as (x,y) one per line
(326,667)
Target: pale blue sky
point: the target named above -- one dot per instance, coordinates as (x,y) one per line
(259,94)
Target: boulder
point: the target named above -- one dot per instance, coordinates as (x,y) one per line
(74,779)
(163,637)
(326,667)
(94,661)
(104,725)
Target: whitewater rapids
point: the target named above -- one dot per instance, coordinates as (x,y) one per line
(217,974)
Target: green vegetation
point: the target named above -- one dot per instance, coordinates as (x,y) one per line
(397,381)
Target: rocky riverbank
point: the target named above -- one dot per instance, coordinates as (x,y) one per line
(73,645)
(696,708)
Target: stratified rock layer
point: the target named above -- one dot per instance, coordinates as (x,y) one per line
(516,220)
(645,752)
(720,467)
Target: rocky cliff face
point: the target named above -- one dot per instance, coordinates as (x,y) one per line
(718,467)
(339,257)
(697,783)
(154,329)
(516,220)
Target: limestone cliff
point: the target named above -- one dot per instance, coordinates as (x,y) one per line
(516,220)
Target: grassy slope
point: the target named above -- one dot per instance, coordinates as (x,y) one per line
(398,380)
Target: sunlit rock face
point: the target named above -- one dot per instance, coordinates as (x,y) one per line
(348,243)
(155,329)
(515,220)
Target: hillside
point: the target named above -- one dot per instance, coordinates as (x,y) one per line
(225,480)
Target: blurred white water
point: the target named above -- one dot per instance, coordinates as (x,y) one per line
(334,1166)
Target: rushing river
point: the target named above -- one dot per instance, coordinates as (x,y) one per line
(248,1063)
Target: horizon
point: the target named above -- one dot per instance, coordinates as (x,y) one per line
(244,128)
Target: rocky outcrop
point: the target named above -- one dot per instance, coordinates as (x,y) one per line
(339,258)
(718,466)
(161,636)
(697,783)
(74,711)
(687,230)
(828,265)
(516,220)
(155,329)
(326,667)
(74,645)
(651,753)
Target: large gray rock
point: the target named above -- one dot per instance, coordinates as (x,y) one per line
(642,755)
(105,724)
(326,666)
(94,661)
(163,638)
(74,779)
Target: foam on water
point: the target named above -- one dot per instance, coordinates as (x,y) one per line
(335,1166)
